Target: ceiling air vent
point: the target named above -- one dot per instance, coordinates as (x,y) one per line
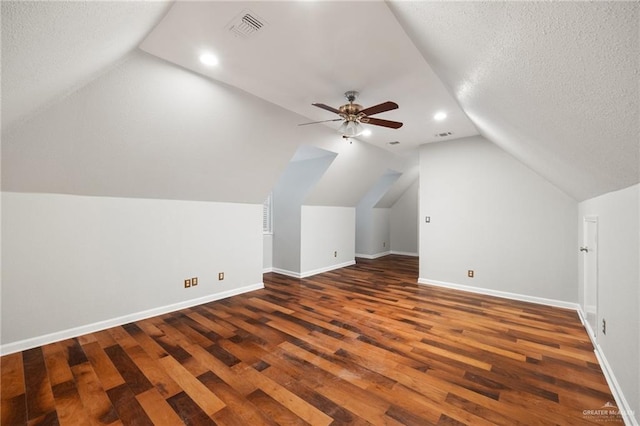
(394,143)
(443,134)
(245,25)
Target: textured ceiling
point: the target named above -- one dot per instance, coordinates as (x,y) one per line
(313,52)
(51,48)
(554,84)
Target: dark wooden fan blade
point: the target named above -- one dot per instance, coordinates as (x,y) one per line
(383,123)
(377,109)
(323,121)
(327,107)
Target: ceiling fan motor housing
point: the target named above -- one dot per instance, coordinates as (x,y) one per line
(350,111)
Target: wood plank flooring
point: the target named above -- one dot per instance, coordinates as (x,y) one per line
(360,345)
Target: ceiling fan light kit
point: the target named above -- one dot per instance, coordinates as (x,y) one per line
(353,115)
(351,129)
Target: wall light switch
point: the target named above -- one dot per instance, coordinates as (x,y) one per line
(427,219)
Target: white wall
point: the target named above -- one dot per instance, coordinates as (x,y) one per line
(267,252)
(149,129)
(491,214)
(403,221)
(356,169)
(324,231)
(74,261)
(618,285)
(373,234)
(372,224)
(288,194)
(381,231)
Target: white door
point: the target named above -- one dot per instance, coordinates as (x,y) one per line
(589,250)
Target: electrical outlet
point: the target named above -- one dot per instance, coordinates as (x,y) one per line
(470,273)
(220,276)
(427,219)
(604,326)
(335,254)
(187,283)
(194,281)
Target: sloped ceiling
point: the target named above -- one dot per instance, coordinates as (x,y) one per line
(553,83)
(379,190)
(149,129)
(313,52)
(356,168)
(51,48)
(400,186)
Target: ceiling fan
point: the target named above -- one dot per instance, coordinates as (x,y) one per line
(353,116)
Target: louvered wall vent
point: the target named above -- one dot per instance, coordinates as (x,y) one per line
(247,24)
(443,134)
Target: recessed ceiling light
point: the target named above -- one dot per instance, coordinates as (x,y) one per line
(209,59)
(366,132)
(440,116)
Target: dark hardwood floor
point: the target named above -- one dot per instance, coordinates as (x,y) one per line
(360,345)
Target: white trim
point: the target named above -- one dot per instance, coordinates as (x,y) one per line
(621,401)
(404,253)
(267,215)
(618,395)
(327,269)
(616,391)
(587,326)
(33,342)
(386,253)
(503,294)
(314,271)
(269,269)
(372,256)
(585,272)
(286,272)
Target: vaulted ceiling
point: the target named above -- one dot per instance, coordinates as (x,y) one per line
(553,84)
(556,84)
(50,48)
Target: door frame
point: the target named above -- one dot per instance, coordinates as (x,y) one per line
(586,220)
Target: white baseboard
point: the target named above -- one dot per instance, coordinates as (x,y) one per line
(590,331)
(625,410)
(266,270)
(404,253)
(590,310)
(621,402)
(33,342)
(314,271)
(372,256)
(503,294)
(286,272)
(386,253)
(327,269)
